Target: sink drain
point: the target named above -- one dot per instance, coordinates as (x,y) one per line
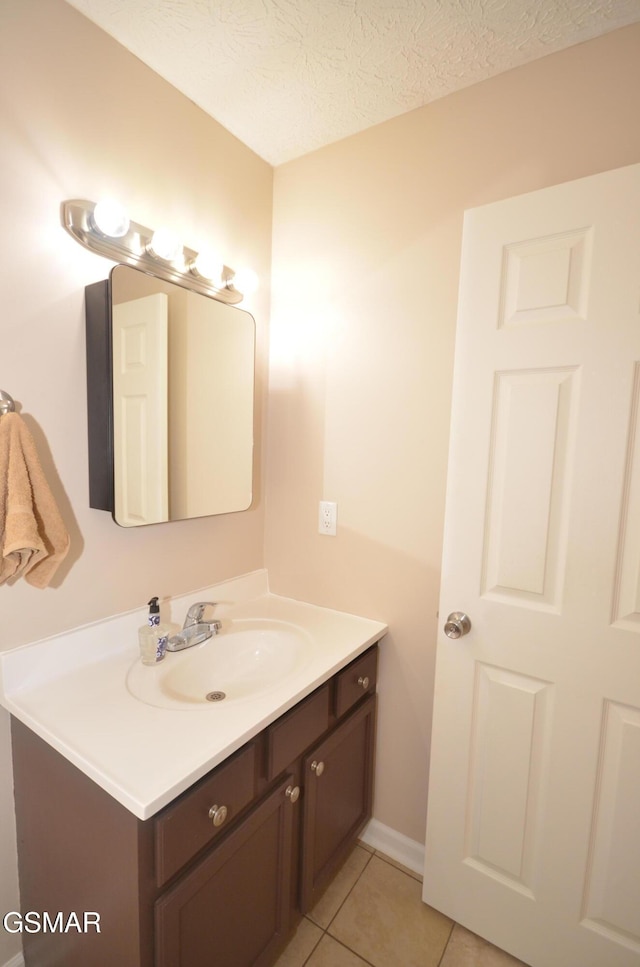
(215,696)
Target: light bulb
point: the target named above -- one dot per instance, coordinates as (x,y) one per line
(110,218)
(208,265)
(165,245)
(245,280)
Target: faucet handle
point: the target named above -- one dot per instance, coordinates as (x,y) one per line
(196,611)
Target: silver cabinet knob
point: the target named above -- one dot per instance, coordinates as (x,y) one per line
(317,767)
(364,682)
(217,815)
(458,624)
(292,793)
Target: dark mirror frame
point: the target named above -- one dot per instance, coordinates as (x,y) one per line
(100,395)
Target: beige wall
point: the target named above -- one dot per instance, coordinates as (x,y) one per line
(366,250)
(80,118)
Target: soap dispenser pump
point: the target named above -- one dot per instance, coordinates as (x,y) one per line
(152,636)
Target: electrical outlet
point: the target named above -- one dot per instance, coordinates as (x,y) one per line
(328,518)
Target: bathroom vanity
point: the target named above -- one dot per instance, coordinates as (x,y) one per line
(221,875)
(222,872)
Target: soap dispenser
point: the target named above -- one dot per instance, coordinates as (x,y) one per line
(153,636)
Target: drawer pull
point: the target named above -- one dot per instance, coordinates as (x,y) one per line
(218,814)
(364,682)
(317,767)
(292,793)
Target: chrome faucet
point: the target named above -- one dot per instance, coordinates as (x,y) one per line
(194,630)
(196,613)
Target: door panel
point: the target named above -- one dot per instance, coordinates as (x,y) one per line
(530,457)
(533,837)
(611,896)
(626,607)
(140,410)
(511,724)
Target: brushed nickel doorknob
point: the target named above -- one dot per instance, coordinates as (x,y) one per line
(317,767)
(457,625)
(292,793)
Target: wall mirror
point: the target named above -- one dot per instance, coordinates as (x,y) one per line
(170,391)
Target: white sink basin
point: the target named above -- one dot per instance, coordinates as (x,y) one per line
(246,658)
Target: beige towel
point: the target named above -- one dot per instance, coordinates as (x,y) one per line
(33,538)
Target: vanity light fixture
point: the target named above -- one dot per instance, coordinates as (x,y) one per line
(105,228)
(208,266)
(165,245)
(110,218)
(245,280)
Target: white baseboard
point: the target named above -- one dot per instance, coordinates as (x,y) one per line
(17,961)
(395,845)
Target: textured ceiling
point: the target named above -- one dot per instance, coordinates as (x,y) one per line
(289,76)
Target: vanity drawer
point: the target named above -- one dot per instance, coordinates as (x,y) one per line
(357,679)
(186,826)
(296,730)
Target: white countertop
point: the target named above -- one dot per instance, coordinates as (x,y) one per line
(71,691)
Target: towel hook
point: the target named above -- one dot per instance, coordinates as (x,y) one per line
(6,403)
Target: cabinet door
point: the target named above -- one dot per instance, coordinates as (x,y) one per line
(338,786)
(232,909)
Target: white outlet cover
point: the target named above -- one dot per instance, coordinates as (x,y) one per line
(328,518)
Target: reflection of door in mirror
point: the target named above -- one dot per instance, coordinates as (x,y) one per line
(140,391)
(170,380)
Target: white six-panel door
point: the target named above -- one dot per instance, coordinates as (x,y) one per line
(533,834)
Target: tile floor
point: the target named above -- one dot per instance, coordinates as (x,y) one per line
(372,915)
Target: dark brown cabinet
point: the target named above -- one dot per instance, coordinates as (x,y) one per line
(232,908)
(338,776)
(223,874)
